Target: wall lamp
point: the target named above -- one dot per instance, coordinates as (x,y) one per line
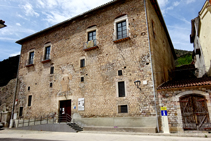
(137,83)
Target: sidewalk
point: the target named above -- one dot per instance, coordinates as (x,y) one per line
(200,135)
(25,132)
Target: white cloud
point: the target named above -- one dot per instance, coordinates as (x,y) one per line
(176,3)
(18,24)
(60,10)
(190,1)
(29,10)
(15,54)
(163,3)
(7,39)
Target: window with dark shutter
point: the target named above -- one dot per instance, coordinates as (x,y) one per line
(122,109)
(51,85)
(29,100)
(119,72)
(21,112)
(82,63)
(121,88)
(52,70)
(82,79)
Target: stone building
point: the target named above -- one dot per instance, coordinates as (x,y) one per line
(86,67)
(187,96)
(188,103)
(200,31)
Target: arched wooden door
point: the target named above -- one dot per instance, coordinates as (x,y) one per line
(195,115)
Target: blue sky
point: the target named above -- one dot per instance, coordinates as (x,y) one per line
(25,17)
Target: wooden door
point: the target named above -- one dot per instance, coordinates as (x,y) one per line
(65,110)
(195,114)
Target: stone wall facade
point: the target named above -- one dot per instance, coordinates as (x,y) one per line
(171,99)
(100,86)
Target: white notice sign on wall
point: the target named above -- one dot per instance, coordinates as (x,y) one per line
(81,104)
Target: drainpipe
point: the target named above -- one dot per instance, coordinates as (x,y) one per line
(153,77)
(13,106)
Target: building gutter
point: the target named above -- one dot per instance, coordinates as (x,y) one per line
(153,78)
(14,97)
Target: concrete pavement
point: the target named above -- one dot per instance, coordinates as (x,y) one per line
(22,135)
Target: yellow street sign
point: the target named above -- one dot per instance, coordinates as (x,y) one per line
(163,108)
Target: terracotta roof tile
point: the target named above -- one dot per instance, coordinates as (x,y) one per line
(185,83)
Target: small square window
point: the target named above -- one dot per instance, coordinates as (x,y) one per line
(29,100)
(52,70)
(119,72)
(82,63)
(28,88)
(51,85)
(82,79)
(122,109)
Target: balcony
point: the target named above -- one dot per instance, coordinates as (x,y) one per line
(91,45)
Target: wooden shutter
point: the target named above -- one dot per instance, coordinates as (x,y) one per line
(21,112)
(52,70)
(189,122)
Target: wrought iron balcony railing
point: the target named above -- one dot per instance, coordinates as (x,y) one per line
(90,45)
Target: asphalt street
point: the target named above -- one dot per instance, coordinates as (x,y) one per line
(18,135)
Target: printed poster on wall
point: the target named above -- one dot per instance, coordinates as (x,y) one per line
(81,104)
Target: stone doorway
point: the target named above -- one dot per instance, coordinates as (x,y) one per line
(195,115)
(64,110)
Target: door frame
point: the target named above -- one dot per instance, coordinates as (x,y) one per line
(59,106)
(179,114)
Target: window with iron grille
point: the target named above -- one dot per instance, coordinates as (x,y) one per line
(122,109)
(121,30)
(52,70)
(47,53)
(21,112)
(82,63)
(82,79)
(29,100)
(31,58)
(121,89)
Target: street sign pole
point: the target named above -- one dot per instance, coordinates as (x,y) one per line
(165,123)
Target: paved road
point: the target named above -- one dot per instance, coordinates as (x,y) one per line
(14,135)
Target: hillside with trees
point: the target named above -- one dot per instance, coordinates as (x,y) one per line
(8,69)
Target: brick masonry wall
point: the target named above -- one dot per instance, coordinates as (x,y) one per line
(170,99)
(100,73)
